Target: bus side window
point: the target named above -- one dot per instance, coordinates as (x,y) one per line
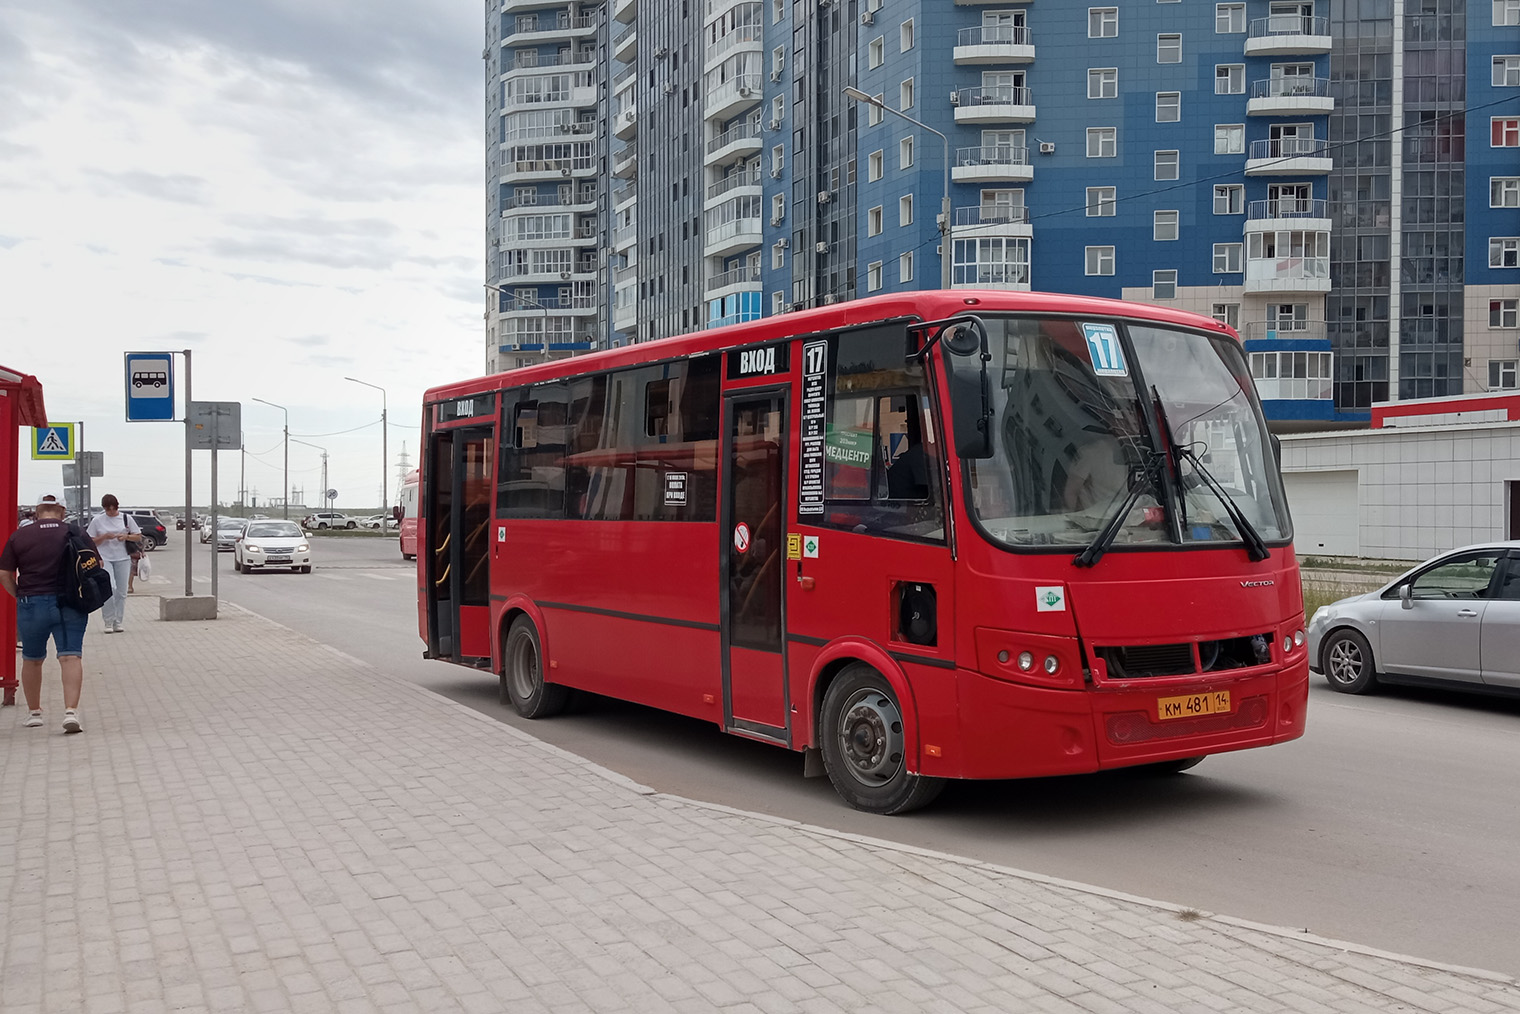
(531,481)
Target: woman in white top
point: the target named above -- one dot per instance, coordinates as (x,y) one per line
(112,532)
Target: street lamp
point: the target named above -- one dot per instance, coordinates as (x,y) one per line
(385,494)
(325,504)
(944,207)
(501,291)
(285,497)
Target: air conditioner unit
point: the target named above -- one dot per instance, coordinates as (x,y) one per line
(776,173)
(516,346)
(564,276)
(775,220)
(661,53)
(775,124)
(628,115)
(782,243)
(820,247)
(744,91)
(564,171)
(829,299)
(670,89)
(1047,147)
(867,18)
(955,98)
(775,75)
(825,196)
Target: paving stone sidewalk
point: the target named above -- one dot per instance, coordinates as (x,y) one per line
(254,822)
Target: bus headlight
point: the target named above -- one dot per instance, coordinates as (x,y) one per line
(1026,660)
(1052,664)
(1298,637)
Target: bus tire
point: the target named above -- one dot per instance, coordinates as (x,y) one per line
(864,748)
(1171,767)
(522,674)
(1346,661)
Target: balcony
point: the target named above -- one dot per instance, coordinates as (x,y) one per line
(981,221)
(1308,214)
(624,11)
(1000,163)
(625,124)
(988,3)
(1295,270)
(625,236)
(993,44)
(624,194)
(1290,96)
(995,104)
(549,272)
(745,278)
(625,44)
(576,201)
(1287,329)
(747,38)
(726,100)
(1288,35)
(732,227)
(580,305)
(745,178)
(535,29)
(625,162)
(530,61)
(1289,156)
(738,141)
(547,161)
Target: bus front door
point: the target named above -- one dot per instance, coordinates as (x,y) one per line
(460,491)
(753,530)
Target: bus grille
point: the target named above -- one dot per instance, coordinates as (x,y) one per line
(1139,727)
(1148,660)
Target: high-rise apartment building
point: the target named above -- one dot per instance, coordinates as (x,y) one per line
(1339,179)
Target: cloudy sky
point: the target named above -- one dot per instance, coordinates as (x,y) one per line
(290,189)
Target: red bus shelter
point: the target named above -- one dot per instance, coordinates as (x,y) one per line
(20,405)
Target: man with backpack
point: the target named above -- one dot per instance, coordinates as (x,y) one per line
(31,569)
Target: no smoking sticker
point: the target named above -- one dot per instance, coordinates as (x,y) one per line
(741,537)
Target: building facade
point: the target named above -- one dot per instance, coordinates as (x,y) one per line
(1339,179)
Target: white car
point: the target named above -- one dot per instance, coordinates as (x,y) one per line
(268,544)
(373,521)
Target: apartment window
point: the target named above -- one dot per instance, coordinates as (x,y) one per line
(1102,142)
(905,94)
(905,210)
(874,112)
(1504,251)
(1229,19)
(877,51)
(1226,313)
(1506,12)
(1229,79)
(905,267)
(905,152)
(778,255)
(778,60)
(875,163)
(1229,199)
(1102,22)
(873,221)
(1167,165)
(778,109)
(1164,284)
(778,302)
(778,10)
(1229,138)
(905,36)
(1100,260)
(1101,201)
(1503,375)
(1168,49)
(778,159)
(873,276)
(1504,192)
(1103,83)
(1507,72)
(1504,313)
(1168,107)
(1504,132)
(778,208)
(1228,258)
(1164,226)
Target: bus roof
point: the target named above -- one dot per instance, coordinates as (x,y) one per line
(924,304)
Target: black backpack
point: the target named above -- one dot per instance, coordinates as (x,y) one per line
(83,581)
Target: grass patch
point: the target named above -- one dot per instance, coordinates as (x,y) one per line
(1391,568)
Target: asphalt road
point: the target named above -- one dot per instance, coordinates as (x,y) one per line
(1392,823)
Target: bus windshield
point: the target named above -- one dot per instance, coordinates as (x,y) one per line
(1077,436)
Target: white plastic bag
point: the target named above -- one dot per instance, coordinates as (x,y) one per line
(144,571)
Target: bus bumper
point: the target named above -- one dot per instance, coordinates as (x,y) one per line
(1016,731)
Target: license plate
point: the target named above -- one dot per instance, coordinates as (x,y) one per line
(277,559)
(1215,702)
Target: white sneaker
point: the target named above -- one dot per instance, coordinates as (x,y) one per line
(33,720)
(119,627)
(71,721)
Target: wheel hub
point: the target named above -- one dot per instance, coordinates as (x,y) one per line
(523,668)
(1345,661)
(870,733)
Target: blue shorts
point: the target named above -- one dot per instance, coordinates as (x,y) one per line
(39,617)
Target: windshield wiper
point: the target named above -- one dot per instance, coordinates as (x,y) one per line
(1142,480)
(1256,548)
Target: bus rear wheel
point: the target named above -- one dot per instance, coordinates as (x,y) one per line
(864,748)
(522,676)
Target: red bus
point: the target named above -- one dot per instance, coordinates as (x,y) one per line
(917,537)
(406,515)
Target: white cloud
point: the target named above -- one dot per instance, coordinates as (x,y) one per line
(290,190)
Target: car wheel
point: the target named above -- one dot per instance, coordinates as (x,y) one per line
(352,524)
(864,748)
(522,677)
(1347,662)
(321,524)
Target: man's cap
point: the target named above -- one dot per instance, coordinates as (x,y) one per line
(51,499)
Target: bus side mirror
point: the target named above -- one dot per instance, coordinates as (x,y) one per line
(396,512)
(970,417)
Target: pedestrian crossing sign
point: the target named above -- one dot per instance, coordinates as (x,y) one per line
(53,442)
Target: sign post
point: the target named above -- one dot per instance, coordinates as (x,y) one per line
(214,426)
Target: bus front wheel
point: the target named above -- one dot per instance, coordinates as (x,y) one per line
(864,747)
(522,676)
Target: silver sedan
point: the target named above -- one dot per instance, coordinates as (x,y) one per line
(1452,621)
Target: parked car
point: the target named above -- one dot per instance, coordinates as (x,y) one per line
(1452,621)
(154,532)
(329,519)
(268,544)
(374,520)
(227,530)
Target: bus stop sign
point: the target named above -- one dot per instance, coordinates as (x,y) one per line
(150,387)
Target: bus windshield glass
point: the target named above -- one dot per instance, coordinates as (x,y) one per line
(1077,439)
